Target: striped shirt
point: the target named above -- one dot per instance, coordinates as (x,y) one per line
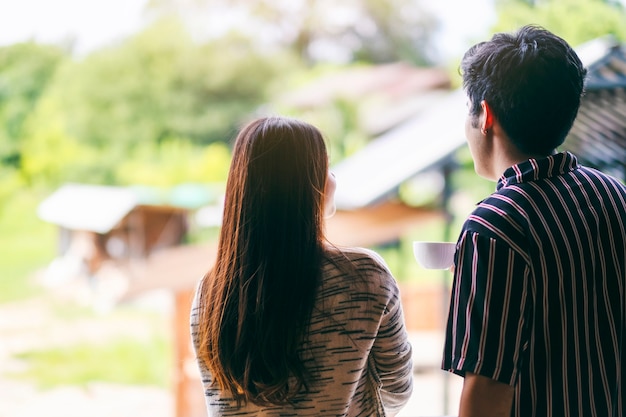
(538,292)
(357,341)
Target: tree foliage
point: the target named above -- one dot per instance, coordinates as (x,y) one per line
(159,91)
(576,21)
(25,72)
(161,84)
(154,107)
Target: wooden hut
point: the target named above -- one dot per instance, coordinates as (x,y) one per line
(104,223)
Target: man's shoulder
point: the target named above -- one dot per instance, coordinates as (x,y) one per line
(504,212)
(596,175)
(506,201)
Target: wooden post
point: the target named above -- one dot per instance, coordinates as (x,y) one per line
(186,388)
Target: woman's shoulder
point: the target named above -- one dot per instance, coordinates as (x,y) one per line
(361,261)
(361,269)
(357,255)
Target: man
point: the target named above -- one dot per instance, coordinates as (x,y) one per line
(537,314)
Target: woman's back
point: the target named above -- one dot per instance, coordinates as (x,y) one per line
(356,347)
(285,324)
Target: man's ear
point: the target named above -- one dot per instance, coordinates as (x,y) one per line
(487,117)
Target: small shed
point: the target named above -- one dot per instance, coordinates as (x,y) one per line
(99,223)
(137,235)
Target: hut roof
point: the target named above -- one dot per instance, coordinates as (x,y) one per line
(598,136)
(376,171)
(99,208)
(87,207)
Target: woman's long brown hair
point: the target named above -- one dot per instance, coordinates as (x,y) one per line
(256,303)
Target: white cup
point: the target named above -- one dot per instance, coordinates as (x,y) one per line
(434,255)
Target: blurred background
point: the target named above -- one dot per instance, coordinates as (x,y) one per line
(116,124)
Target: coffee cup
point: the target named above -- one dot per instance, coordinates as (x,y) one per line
(434,255)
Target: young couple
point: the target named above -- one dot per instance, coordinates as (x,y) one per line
(286,324)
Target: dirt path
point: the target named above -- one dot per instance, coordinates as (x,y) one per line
(32,324)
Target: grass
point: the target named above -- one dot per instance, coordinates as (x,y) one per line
(125,356)
(26,244)
(122,361)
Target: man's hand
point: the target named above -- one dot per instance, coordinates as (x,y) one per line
(485,397)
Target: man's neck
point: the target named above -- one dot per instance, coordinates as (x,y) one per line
(506,155)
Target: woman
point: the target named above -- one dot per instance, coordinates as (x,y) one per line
(285,323)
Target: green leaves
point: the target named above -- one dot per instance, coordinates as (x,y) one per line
(151,104)
(576,21)
(25,72)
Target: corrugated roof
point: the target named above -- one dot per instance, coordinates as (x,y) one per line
(99,208)
(609,71)
(87,207)
(398,155)
(598,136)
(387,94)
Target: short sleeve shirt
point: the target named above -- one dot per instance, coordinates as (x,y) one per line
(538,293)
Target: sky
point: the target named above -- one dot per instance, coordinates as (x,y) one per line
(464,22)
(91,24)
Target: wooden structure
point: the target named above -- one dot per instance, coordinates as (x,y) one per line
(138,237)
(598,137)
(101,223)
(378,224)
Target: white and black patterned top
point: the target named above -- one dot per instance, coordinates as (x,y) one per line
(538,299)
(357,341)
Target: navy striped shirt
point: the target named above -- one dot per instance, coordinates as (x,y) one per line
(538,293)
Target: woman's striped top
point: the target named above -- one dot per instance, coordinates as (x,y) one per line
(538,293)
(357,345)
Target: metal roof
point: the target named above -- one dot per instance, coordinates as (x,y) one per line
(87,207)
(414,146)
(609,71)
(598,136)
(99,208)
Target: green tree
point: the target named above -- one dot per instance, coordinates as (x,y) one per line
(25,72)
(576,21)
(161,84)
(153,92)
(175,161)
(50,155)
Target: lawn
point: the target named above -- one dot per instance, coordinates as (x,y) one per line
(122,360)
(27,244)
